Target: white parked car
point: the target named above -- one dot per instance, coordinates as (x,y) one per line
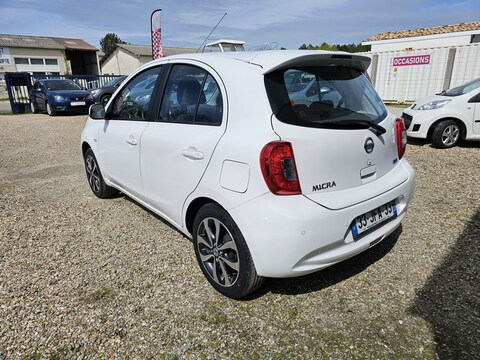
(264,187)
(448,117)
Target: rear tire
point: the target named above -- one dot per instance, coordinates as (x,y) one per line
(33,107)
(446,134)
(95,178)
(223,254)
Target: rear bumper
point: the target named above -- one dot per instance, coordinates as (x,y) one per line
(292,235)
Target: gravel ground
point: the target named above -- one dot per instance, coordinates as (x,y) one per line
(83,278)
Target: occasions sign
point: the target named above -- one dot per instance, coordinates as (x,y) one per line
(411,60)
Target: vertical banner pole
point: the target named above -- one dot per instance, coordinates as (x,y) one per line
(156,30)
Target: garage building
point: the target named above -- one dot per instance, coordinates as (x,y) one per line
(47,55)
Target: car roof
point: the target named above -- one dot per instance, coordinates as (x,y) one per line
(277,59)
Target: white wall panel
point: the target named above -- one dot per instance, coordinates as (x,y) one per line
(411,82)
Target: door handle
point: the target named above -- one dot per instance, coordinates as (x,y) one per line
(132,141)
(192,153)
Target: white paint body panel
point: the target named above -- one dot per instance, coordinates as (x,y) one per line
(286,235)
(458,108)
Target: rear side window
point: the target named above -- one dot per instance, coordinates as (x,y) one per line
(191,96)
(323,96)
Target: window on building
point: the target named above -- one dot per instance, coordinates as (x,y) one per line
(51,62)
(21,61)
(36,61)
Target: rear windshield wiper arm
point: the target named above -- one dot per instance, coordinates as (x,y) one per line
(379,130)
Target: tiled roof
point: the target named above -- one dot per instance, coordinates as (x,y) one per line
(475,25)
(44,42)
(146,50)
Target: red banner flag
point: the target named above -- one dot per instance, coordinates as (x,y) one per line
(157,51)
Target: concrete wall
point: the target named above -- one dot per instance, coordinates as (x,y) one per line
(35,54)
(122,62)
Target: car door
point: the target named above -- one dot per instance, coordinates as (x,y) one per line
(120,138)
(475,102)
(176,148)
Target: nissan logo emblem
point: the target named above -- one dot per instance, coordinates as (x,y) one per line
(369,145)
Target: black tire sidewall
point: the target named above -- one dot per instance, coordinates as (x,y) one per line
(243,285)
(102,99)
(104,188)
(47,106)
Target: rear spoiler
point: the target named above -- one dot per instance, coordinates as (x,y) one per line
(358,62)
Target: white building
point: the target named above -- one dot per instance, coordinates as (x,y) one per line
(127,58)
(411,64)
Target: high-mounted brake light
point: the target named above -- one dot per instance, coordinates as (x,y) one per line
(279,169)
(400,137)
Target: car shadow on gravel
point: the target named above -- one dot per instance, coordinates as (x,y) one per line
(330,276)
(450,299)
(158,217)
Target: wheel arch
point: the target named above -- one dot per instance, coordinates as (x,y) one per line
(193,208)
(85,147)
(461,123)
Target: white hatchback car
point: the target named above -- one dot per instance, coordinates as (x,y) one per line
(264,187)
(448,117)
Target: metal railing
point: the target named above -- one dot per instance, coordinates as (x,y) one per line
(19,85)
(85,81)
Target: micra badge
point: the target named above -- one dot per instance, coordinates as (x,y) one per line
(323,186)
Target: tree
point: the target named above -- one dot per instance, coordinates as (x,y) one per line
(337,47)
(109,43)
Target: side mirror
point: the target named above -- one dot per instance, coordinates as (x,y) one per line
(97,112)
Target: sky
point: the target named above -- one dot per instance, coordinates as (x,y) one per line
(186,23)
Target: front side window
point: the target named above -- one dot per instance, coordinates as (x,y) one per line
(133,101)
(191,96)
(320,96)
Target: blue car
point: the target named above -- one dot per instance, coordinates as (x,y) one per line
(59,95)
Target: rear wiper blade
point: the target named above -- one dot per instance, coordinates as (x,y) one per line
(378,129)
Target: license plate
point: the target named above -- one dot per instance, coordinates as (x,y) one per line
(77,103)
(374,217)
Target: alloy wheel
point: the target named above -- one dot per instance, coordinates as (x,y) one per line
(450,135)
(93,175)
(218,252)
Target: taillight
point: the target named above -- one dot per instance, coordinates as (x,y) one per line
(279,169)
(400,137)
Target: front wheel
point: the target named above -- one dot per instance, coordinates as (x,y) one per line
(95,178)
(223,254)
(446,134)
(104,100)
(50,111)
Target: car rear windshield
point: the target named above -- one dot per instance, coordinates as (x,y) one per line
(323,96)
